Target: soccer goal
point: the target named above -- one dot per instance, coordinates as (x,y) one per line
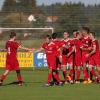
(29,37)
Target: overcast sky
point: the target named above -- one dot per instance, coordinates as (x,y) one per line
(86,2)
(48,2)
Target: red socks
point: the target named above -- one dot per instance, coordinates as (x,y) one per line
(3,77)
(72,74)
(85,74)
(49,77)
(64,74)
(19,78)
(93,73)
(77,74)
(56,76)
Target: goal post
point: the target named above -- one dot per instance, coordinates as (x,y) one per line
(52,29)
(28,37)
(24,35)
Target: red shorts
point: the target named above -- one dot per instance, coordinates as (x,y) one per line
(12,64)
(77,60)
(64,60)
(70,59)
(51,60)
(58,63)
(84,58)
(95,60)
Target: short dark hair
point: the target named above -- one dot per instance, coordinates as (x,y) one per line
(77,33)
(75,30)
(54,35)
(65,32)
(48,36)
(86,29)
(93,33)
(12,34)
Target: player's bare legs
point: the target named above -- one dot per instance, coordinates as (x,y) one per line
(4,75)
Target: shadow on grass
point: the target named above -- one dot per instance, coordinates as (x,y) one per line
(24,83)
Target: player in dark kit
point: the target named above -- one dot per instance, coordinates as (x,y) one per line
(11,58)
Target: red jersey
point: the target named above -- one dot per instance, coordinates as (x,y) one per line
(70,43)
(12,47)
(86,42)
(50,48)
(11,61)
(77,58)
(95,43)
(78,45)
(58,45)
(73,39)
(63,43)
(95,58)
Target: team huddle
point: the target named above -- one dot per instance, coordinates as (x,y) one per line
(79,52)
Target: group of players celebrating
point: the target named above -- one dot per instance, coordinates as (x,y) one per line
(80,50)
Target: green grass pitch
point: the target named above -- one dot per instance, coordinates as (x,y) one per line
(33,88)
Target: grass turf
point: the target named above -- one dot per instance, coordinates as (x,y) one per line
(33,89)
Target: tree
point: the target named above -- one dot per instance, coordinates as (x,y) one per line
(9,5)
(16,12)
(20,5)
(27,6)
